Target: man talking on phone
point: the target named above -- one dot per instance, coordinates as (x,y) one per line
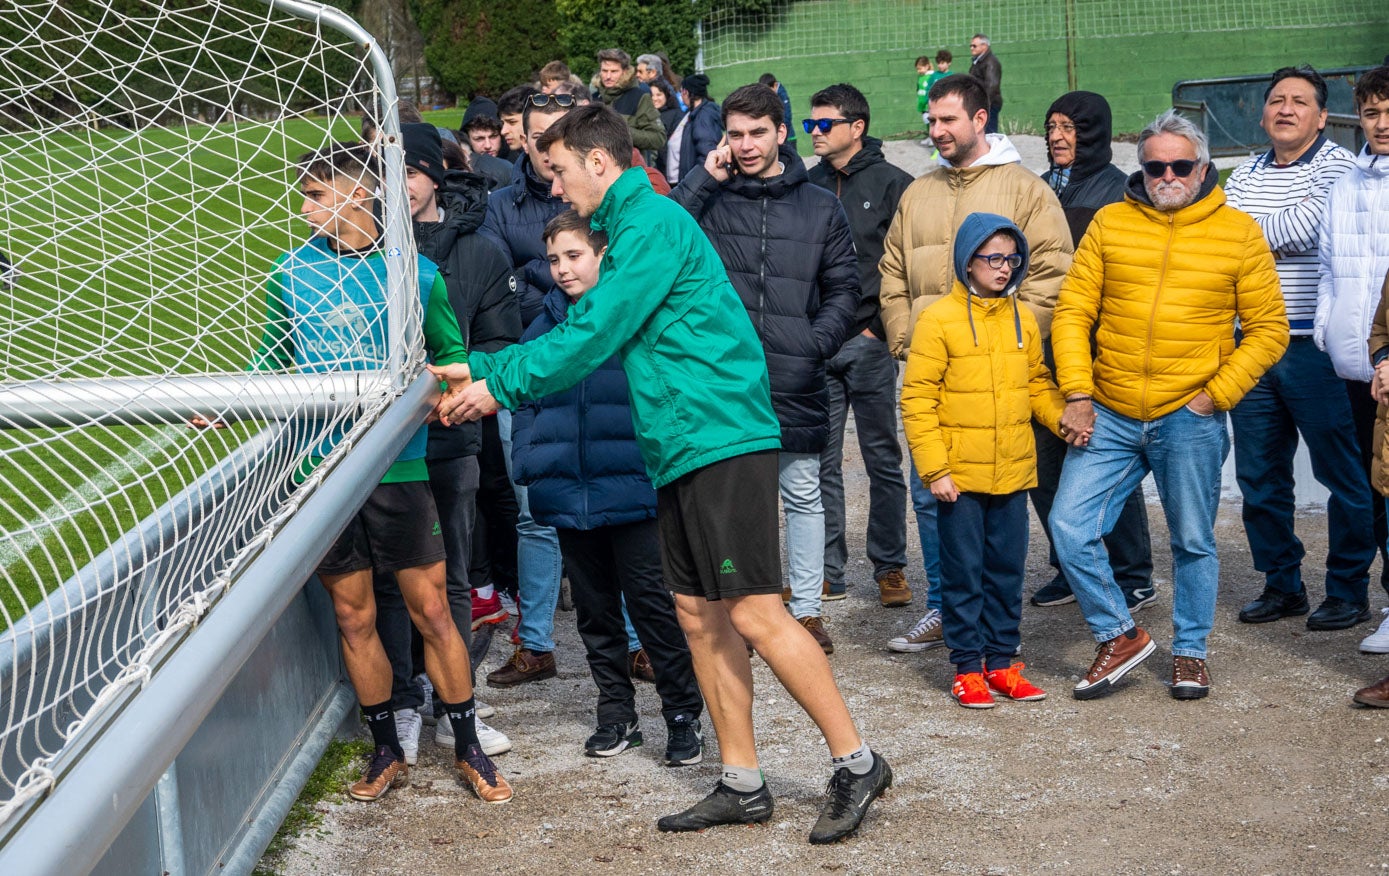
(789,252)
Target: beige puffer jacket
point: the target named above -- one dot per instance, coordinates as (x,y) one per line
(918,252)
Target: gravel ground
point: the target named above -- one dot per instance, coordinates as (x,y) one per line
(1276,772)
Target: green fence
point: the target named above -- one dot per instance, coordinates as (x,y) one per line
(1130,52)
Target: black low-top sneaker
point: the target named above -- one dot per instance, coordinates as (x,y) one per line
(612,739)
(685,742)
(850,797)
(723,806)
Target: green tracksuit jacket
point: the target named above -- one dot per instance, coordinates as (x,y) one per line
(697,375)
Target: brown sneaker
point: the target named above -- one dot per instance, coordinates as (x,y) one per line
(1376,695)
(816,627)
(384,772)
(481,775)
(639,666)
(524,666)
(893,589)
(1190,681)
(1113,660)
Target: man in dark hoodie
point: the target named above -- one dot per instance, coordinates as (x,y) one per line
(447,208)
(863,374)
(481,118)
(1084,179)
(789,252)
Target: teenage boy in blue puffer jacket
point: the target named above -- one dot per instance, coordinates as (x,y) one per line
(576,451)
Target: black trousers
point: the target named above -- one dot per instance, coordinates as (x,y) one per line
(454,483)
(494,533)
(605,565)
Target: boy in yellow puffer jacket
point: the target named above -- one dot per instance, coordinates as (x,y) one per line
(975,378)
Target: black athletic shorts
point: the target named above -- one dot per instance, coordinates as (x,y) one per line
(718,527)
(397,528)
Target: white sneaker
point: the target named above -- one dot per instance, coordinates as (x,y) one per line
(493,741)
(407,730)
(483,710)
(925,635)
(426,710)
(1378,641)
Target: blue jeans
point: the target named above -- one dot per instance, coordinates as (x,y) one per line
(984,555)
(798,476)
(862,376)
(1184,451)
(538,566)
(1302,394)
(925,506)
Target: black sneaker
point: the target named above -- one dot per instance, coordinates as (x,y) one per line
(723,806)
(850,797)
(1140,598)
(612,739)
(1057,591)
(684,742)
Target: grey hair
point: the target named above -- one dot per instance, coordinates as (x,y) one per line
(652,61)
(1172,123)
(982,38)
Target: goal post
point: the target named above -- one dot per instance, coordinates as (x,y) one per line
(148,185)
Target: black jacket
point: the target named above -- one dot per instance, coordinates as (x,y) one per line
(516,215)
(496,171)
(481,287)
(703,130)
(869,188)
(1094,181)
(987,69)
(788,250)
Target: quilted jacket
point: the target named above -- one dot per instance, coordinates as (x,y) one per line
(1163,290)
(917,265)
(1354,257)
(975,378)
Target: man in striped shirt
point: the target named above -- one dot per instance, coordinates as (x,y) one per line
(1285,191)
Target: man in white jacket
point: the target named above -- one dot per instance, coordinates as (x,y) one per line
(1352,261)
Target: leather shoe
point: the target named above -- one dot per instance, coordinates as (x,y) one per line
(1337,614)
(1273,605)
(1376,695)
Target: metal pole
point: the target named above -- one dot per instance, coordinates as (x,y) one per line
(142,401)
(101,790)
(1070,45)
(403,333)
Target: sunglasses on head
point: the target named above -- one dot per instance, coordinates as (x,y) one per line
(1181,167)
(997,260)
(823,124)
(560,100)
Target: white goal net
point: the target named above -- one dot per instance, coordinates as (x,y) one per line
(147,188)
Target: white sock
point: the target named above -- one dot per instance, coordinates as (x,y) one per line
(744,780)
(859,762)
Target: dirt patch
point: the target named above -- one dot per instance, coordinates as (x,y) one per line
(1276,772)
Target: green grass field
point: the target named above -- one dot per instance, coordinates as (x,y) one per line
(142,254)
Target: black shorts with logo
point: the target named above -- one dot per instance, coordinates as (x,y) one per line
(397,528)
(719,528)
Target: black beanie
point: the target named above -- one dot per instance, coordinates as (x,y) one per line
(423,150)
(696,86)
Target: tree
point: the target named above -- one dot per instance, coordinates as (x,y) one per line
(485,47)
(635,26)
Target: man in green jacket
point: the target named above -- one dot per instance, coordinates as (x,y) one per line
(703,415)
(621,91)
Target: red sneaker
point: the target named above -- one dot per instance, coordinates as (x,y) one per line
(487,611)
(972,692)
(1012,685)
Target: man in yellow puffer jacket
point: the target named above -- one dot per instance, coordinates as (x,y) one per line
(975,378)
(1161,278)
